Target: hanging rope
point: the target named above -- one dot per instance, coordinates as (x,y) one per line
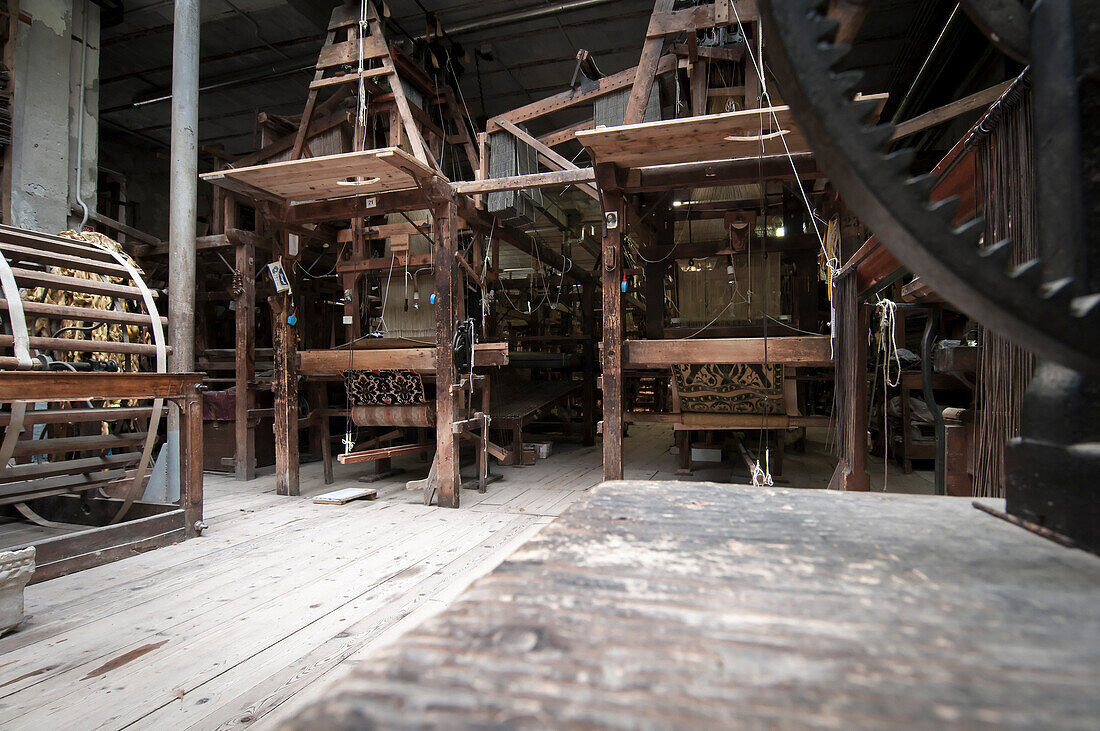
(888,347)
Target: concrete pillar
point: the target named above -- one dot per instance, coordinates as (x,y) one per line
(44,120)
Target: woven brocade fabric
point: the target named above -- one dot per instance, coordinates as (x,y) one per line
(384,388)
(742,388)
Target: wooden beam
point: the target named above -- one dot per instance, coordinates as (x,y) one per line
(524,182)
(666,21)
(949,111)
(849,15)
(611,276)
(647,64)
(565,99)
(61,386)
(721,172)
(284,386)
(552,157)
(314,362)
(810,350)
(565,134)
(447,310)
(244,320)
(354,207)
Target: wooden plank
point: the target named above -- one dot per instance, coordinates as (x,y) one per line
(63,445)
(82,386)
(809,350)
(72,345)
(32,278)
(521,182)
(348,78)
(77,416)
(373,455)
(346,495)
(726,136)
(28,254)
(384,263)
(346,53)
(565,99)
(949,111)
(85,314)
(67,467)
(412,359)
(330,176)
(683,586)
(565,134)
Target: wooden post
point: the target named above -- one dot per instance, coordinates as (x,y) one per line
(612,275)
(284,385)
(647,70)
(245,363)
(191,458)
(851,471)
(446,310)
(588,389)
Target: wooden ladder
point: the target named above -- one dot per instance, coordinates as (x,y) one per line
(378,63)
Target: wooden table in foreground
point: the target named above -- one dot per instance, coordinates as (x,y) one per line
(681,604)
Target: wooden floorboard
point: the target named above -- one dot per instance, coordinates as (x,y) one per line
(703,605)
(279,597)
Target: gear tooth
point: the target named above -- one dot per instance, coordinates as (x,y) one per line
(999,253)
(831,55)
(945,208)
(901,160)
(1087,308)
(878,136)
(1030,273)
(922,185)
(969,232)
(1058,292)
(825,28)
(848,82)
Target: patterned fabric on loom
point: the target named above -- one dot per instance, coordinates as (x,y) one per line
(742,388)
(384,388)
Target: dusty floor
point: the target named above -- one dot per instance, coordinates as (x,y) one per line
(280,596)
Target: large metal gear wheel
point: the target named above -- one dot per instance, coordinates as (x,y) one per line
(1053,316)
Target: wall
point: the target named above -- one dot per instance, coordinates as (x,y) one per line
(44,114)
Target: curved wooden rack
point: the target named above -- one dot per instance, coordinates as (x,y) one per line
(78,462)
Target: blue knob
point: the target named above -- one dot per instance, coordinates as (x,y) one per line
(431,298)
(292,320)
(623,286)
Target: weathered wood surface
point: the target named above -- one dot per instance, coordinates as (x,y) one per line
(695,139)
(807,350)
(680,604)
(327,177)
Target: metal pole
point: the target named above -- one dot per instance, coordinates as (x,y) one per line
(184,191)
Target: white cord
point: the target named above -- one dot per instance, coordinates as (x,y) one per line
(887,320)
(763,477)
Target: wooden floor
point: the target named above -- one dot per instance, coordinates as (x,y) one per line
(281,596)
(692,605)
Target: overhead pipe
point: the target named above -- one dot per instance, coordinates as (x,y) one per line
(498,19)
(80,120)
